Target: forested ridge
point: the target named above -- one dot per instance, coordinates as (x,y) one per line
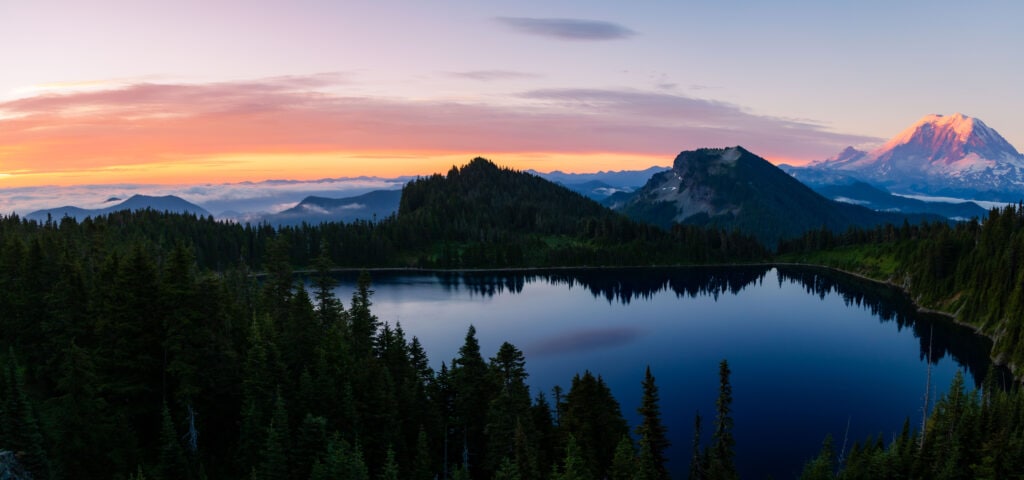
(124,359)
(144,345)
(971,270)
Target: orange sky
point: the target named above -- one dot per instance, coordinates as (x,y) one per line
(299,128)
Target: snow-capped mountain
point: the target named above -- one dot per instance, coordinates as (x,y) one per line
(950,155)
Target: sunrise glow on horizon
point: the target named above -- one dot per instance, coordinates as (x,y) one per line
(149,93)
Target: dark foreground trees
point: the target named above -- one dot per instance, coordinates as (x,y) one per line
(121,358)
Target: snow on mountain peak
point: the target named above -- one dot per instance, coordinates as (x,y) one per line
(948,139)
(937,152)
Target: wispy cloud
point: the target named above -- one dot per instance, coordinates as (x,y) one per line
(295,127)
(567,28)
(493,75)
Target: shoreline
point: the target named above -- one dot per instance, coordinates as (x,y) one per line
(952,316)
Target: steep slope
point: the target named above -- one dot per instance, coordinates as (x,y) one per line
(168,203)
(732,188)
(314,209)
(954,155)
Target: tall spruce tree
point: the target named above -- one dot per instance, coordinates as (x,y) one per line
(624,461)
(593,417)
(651,430)
(172,463)
(473,389)
(510,407)
(22,431)
(720,466)
(574,466)
(696,457)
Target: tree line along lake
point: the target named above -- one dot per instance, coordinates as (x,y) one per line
(812,351)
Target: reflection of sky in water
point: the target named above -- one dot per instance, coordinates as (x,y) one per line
(804,362)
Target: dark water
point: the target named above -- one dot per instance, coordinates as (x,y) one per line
(811,351)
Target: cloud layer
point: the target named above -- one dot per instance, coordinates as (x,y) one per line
(231,198)
(567,28)
(297,128)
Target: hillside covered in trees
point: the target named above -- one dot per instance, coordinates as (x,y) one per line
(971,270)
(152,345)
(129,360)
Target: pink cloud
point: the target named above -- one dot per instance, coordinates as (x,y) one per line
(150,122)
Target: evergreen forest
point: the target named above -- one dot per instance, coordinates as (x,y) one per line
(152,345)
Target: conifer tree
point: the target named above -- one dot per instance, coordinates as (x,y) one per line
(274,464)
(342,461)
(651,430)
(507,470)
(624,462)
(23,431)
(422,466)
(525,454)
(593,417)
(363,324)
(329,309)
(696,458)
(473,392)
(510,407)
(574,467)
(390,469)
(823,466)
(546,436)
(310,445)
(172,465)
(646,466)
(721,465)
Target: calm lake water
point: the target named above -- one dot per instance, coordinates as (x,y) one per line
(811,351)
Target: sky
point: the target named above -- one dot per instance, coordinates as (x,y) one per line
(131,92)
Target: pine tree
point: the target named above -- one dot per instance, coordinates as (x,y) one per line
(823,466)
(544,427)
(593,417)
(525,454)
(624,462)
(274,463)
(329,309)
(172,465)
(472,386)
(646,466)
(507,470)
(510,407)
(363,324)
(342,461)
(422,467)
(574,467)
(651,431)
(310,444)
(721,465)
(23,431)
(696,458)
(390,469)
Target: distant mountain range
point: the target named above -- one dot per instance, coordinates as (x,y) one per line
(167,203)
(601,185)
(313,210)
(952,156)
(732,188)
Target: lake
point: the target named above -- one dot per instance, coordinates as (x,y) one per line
(812,351)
